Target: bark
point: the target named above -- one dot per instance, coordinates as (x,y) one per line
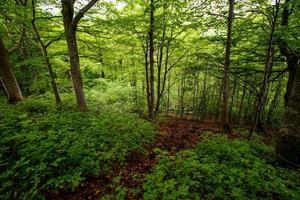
(11,84)
(46,57)
(70,26)
(225,114)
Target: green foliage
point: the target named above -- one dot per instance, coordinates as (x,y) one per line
(219,168)
(43,149)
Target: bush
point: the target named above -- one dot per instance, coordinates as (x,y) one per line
(219,168)
(48,150)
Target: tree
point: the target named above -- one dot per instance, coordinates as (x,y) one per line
(290,54)
(288,146)
(70,25)
(225,91)
(267,71)
(9,79)
(151,60)
(45,55)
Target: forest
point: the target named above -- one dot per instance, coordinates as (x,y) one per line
(149,99)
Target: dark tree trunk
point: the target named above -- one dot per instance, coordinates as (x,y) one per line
(151,60)
(46,57)
(288,146)
(291,56)
(225,114)
(11,84)
(268,67)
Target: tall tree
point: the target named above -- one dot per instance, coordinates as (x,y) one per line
(150,74)
(9,79)
(267,71)
(70,25)
(225,111)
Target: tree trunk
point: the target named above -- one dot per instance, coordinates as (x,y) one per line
(225,114)
(11,84)
(268,67)
(232,97)
(70,26)
(151,59)
(46,57)
(242,102)
(275,102)
(291,56)
(288,145)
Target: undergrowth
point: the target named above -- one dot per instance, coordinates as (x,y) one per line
(219,168)
(42,148)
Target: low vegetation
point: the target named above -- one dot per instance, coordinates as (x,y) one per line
(220,168)
(46,149)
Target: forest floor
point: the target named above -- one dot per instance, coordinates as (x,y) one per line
(175,134)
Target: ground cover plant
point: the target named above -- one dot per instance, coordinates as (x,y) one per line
(221,168)
(48,150)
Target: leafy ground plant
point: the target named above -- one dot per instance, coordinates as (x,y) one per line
(45,149)
(219,168)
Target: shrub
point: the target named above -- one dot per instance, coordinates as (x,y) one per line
(59,149)
(219,168)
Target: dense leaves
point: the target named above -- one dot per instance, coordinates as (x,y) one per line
(43,149)
(219,168)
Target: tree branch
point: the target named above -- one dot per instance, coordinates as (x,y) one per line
(81,12)
(17,46)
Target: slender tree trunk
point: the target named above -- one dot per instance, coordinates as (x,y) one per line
(225,114)
(232,97)
(46,57)
(11,84)
(151,59)
(268,67)
(275,102)
(242,102)
(159,65)
(203,103)
(148,94)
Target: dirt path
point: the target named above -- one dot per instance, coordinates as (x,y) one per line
(174,135)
